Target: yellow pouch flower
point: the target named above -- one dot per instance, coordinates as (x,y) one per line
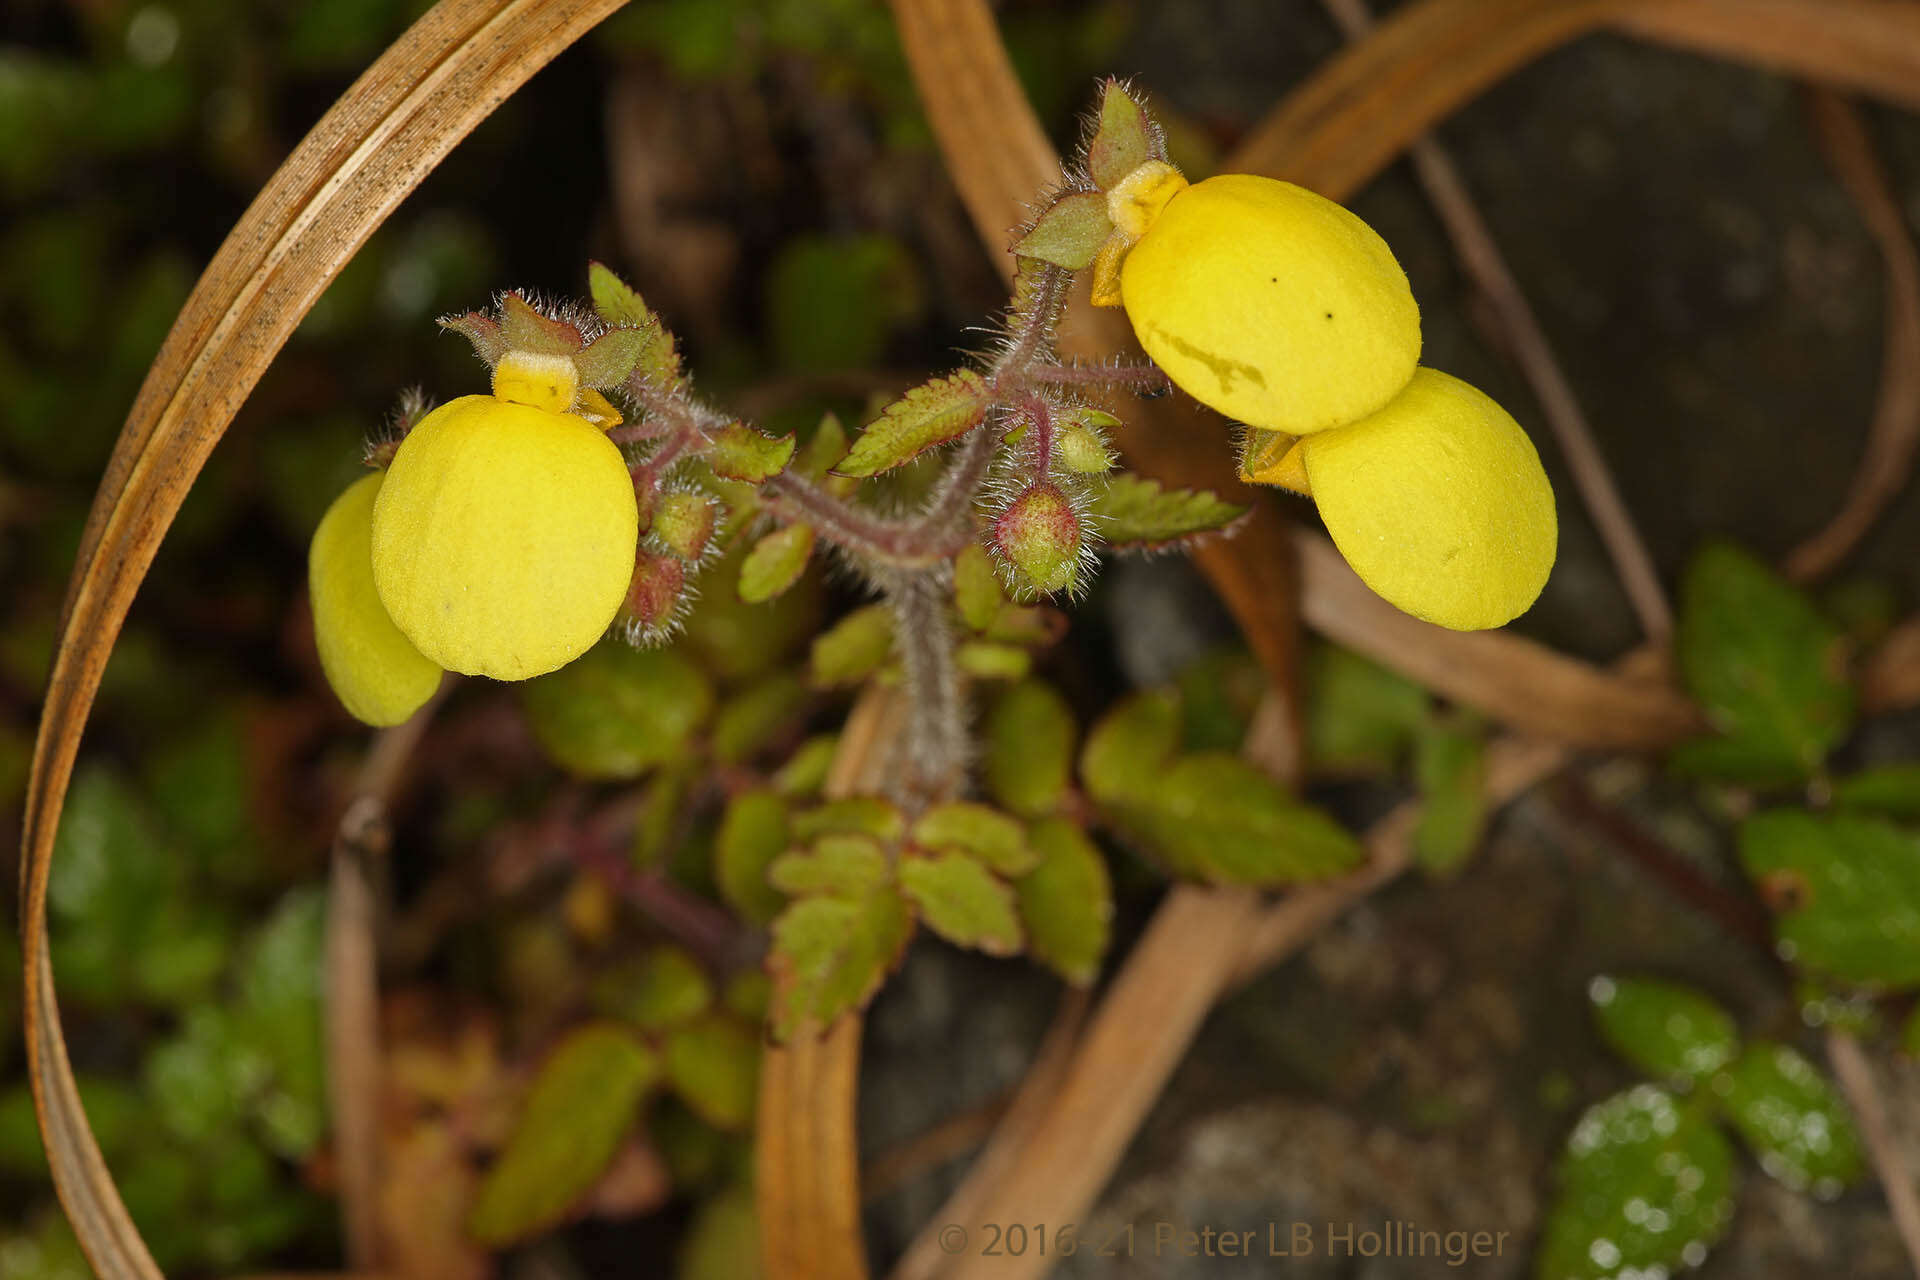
(504,537)
(1438,501)
(1272,304)
(374,669)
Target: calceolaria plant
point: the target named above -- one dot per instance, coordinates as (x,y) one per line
(559,529)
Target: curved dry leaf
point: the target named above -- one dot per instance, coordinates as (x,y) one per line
(441,78)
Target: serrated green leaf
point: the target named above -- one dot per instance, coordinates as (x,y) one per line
(854,647)
(845,866)
(1667,1030)
(620,305)
(830,954)
(1066,902)
(1129,750)
(1070,232)
(1846,891)
(738,452)
(931,414)
(750,720)
(1122,141)
(851,815)
(611,358)
(575,1117)
(775,563)
(1215,818)
(976,587)
(1764,666)
(752,834)
(1029,749)
(1645,1187)
(978,831)
(714,1065)
(983,661)
(963,902)
(805,772)
(1361,717)
(1890,790)
(1449,768)
(618,711)
(664,988)
(1131,513)
(1795,1121)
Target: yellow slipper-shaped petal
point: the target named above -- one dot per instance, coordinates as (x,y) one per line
(504,537)
(1271,304)
(1439,503)
(375,671)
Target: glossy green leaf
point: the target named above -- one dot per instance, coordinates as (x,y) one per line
(1066,902)
(1646,1187)
(1665,1029)
(576,1115)
(1030,737)
(618,711)
(1846,891)
(752,834)
(979,831)
(1764,666)
(1131,513)
(830,954)
(930,414)
(714,1065)
(1793,1118)
(963,902)
(775,563)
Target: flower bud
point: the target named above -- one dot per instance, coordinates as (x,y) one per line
(684,521)
(374,669)
(1040,535)
(654,594)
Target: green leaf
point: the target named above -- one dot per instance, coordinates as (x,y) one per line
(575,1117)
(1213,817)
(983,661)
(750,720)
(824,448)
(1793,1119)
(982,833)
(662,989)
(830,954)
(1890,790)
(976,587)
(1070,232)
(775,563)
(1029,749)
(1645,1187)
(279,1017)
(852,815)
(618,711)
(805,772)
(1666,1030)
(1129,750)
(723,1240)
(963,902)
(1123,140)
(1766,669)
(658,818)
(619,304)
(845,866)
(1846,891)
(1066,902)
(1132,513)
(930,414)
(1449,767)
(1219,695)
(611,358)
(738,452)
(752,834)
(1361,717)
(714,1065)
(854,647)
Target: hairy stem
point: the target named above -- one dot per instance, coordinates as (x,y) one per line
(936,738)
